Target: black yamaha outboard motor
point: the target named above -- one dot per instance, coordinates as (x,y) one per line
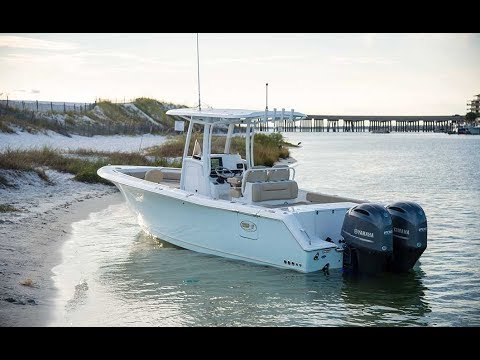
(367,230)
(409,234)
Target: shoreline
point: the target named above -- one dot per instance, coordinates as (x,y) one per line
(30,249)
(22,140)
(31,240)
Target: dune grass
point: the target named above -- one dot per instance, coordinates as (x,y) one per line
(84,163)
(107,118)
(28,121)
(268,148)
(115,114)
(84,169)
(42,175)
(4,125)
(7,208)
(157,111)
(19,121)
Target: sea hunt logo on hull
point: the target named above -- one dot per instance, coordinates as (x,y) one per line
(422,229)
(248,226)
(401,231)
(363,233)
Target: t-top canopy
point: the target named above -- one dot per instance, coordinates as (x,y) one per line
(233,115)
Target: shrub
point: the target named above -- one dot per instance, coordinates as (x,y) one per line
(268,148)
(84,169)
(7,208)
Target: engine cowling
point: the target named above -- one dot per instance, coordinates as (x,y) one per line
(409,224)
(367,231)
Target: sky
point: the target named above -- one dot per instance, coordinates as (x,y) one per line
(325,73)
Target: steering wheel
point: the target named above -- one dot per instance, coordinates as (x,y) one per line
(224,172)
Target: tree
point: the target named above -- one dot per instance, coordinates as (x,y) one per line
(470,117)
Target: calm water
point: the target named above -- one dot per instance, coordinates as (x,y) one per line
(114,274)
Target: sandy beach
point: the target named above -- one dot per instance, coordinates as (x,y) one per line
(31,241)
(31,237)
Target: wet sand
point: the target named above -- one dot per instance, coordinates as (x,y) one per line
(29,250)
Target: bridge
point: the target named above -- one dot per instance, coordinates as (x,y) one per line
(371,123)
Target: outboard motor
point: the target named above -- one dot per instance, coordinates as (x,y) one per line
(367,230)
(409,234)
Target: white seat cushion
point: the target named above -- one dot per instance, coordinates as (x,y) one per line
(154,175)
(280,190)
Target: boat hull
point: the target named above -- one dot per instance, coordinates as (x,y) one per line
(474,130)
(227,233)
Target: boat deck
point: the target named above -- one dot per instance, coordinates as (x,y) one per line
(171,179)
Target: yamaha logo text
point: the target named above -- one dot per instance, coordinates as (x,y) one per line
(401,231)
(363,233)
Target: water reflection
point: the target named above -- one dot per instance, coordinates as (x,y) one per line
(387,299)
(182,287)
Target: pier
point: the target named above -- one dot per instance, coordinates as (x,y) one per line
(359,123)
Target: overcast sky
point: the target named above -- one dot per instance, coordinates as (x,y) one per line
(348,74)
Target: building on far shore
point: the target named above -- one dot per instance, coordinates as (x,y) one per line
(474,105)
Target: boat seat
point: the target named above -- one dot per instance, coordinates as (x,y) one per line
(279,173)
(159,175)
(235,190)
(235,181)
(280,190)
(154,175)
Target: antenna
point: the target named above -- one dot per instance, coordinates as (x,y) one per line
(266,106)
(266,97)
(198,72)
